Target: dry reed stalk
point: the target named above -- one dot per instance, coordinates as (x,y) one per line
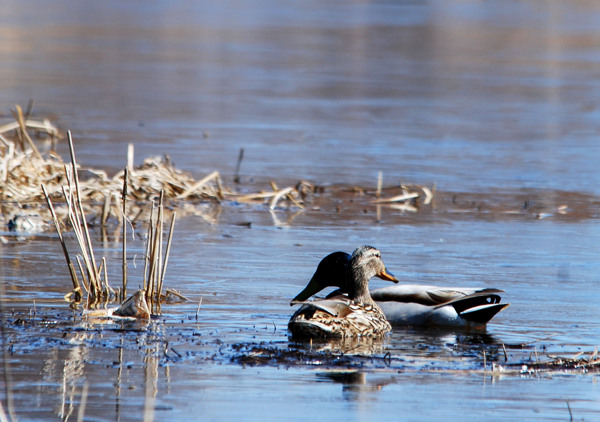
(570,411)
(106,209)
(151,258)
(201,183)
(23,132)
(76,287)
(255,197)
(155,265)
(236,175)
(5,142)
(109,292)
(86,283)
(428,194)
(166,258)
(290,193)
(280,194)
(80,205)
(198,310)
(146,282)
(75,220)
(130,152)
(124,223)
(398,198)
(173,296)
(44,126)
(158,254)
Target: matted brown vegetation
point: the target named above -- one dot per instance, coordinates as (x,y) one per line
(23,169)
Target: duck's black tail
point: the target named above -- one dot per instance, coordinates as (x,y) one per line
(478,307)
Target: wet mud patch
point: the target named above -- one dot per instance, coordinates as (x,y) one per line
(469,354)
(365,354)
(290,354)
(354,204)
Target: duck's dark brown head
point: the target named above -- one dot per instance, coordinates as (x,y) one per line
(364,264)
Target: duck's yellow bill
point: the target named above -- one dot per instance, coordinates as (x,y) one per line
(386,275)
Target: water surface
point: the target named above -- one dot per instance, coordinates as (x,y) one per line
(489,101)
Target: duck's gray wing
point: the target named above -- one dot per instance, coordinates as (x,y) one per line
(425,294)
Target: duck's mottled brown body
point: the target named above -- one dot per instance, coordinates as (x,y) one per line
(355,319)
(355,315)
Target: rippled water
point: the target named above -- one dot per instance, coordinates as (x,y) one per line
(479,99)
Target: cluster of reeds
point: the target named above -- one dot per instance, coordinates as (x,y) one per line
(23,168)
(94,277)
(156,263)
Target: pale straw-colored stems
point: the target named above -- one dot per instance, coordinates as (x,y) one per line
(88,240)
(196,187)
(80,229)
(156,265)
(124,224)
(167,252)
(76,294)
(290,193)
(22,133)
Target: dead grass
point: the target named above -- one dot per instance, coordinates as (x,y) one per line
(28,160)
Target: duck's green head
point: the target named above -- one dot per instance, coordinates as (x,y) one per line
(331,272)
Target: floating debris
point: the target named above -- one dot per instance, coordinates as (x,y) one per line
(135,306)
(297,195)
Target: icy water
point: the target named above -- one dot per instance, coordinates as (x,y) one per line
(493,101)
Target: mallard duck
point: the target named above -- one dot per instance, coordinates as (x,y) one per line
(351,315)
(413,304)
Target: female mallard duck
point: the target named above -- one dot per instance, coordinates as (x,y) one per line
(353,315)
(413,304)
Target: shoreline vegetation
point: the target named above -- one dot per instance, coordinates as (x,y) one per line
(28,160)
(34,182)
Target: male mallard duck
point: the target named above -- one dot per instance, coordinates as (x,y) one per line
(346,316)
(413,304)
